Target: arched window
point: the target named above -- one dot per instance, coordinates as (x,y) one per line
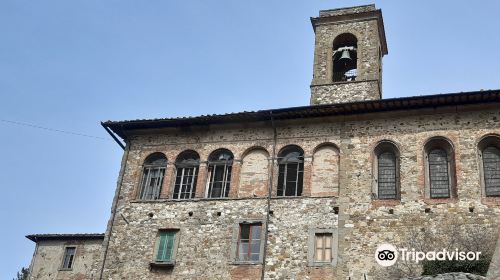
(386,171)
(186,174)
(291,171)
(490,152)
(152,176)
(440,168)
(345,58)
(219,173)
(491,167)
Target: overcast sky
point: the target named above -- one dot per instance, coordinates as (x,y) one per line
(67,65)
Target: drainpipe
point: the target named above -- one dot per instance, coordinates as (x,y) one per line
(271,180)
(115,205)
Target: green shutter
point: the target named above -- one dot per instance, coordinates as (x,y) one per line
(165,246)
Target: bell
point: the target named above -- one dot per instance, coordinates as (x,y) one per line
(345,55)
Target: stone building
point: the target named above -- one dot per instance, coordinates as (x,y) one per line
(305,192)
(66,256)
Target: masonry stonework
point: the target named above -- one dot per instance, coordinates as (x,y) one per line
(365,23)
(48,257)
(363,223)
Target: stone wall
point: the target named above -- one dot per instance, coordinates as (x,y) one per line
(344,92)
(449,276)
(362,223)
(494,269)
(206,237)
(48,257)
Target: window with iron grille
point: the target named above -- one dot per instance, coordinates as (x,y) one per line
(323,247)
(165,252)
(219,174)
(439,176)
(387,179)
(187,165)
(249,242)
(491,170)
(69,257)
(291,171)
(152,176)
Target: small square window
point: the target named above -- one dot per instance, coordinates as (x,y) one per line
(322,247)
(69,258)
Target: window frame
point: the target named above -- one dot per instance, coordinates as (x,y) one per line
(145,178)
(283,163)
(382,147)
(443,143)
(181,165)
(64,258)
(212,166)
(155,261)
(445,164)
(311,252)
(236,238)
(490,140)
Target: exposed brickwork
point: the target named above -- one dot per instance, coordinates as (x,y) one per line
(363,223)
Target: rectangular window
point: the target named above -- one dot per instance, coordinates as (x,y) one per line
(185,182)
(249,241)
(290,179)
(323,247)
(387,182)
(219,180)
(69,257)
(151,182)
(166,245)
(438,174)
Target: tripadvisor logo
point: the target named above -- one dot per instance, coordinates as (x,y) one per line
(387,255)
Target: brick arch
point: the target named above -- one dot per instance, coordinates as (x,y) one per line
(219,150)
(248,150)
(187,151)
(322,145)
(486,139)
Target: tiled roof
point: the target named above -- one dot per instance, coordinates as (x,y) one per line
(361,107)
(65,236)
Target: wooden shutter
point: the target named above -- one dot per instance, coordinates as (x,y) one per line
(387,176)
(491,167)
(165,246)
(439,174)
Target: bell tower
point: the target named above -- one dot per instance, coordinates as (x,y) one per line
(349,46)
